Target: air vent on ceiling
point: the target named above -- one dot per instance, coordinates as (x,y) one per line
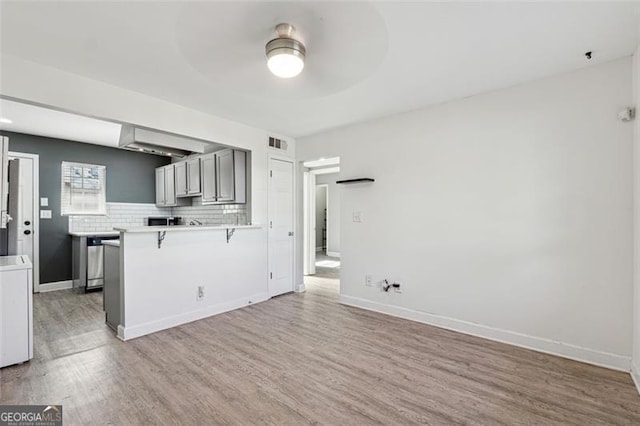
(277,143)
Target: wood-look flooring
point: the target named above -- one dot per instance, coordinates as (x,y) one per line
(301,359)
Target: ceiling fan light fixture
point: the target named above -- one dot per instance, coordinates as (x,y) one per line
(285,55)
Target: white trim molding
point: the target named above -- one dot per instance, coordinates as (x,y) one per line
(635,375)
(548,346)
(333,254)
(301,288)
(55,286)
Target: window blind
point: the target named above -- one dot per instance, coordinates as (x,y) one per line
(83,190)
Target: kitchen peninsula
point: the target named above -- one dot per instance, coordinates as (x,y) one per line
(162,277)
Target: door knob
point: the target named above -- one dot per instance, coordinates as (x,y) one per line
(290,233)
(27,232)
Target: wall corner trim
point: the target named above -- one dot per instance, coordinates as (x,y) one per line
(301,288)
(635,375)
(548,346)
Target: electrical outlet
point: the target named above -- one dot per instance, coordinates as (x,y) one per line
(368,280)
(200,294)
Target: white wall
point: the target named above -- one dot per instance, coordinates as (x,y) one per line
(507,214)
(333,232)
(636,296)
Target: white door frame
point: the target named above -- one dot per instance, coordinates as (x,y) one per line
(36,214)
(310,224)
(294,169)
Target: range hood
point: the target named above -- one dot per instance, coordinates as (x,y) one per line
(159,143)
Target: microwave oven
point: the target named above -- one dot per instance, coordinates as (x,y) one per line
(164,221)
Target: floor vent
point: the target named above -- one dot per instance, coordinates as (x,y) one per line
(277,143)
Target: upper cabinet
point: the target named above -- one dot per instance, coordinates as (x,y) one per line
(181,179)
(188,178)
(220,177)
(166,186)
(193,176)
(224,177)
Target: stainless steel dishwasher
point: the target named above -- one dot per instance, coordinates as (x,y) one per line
(88,262)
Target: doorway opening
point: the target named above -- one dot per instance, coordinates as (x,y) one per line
(321,197)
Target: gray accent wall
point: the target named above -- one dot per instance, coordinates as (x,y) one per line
(130,179)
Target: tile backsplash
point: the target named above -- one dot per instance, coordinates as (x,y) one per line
(135,214)
(118,215)
(235,214)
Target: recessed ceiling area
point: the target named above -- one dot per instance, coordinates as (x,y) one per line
(21,117)
(322,162)
(364,60)
(46,122)
(323,166)
(231,57)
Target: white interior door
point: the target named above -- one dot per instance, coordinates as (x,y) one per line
(281,242)
(23,208)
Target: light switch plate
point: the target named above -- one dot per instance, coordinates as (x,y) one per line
(45,214)
(44,202)
(357,216)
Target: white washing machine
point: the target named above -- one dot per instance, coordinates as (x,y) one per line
(16,310)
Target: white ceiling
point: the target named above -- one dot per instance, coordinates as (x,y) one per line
(365,60)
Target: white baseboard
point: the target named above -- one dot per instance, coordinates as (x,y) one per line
(565,350)
(333,254)
(131,332)
(300,288)
(318,249)
(59,285)
(635,375)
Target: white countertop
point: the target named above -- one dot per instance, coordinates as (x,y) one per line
(95,234)
(114,243)
(185,228)
(10,263)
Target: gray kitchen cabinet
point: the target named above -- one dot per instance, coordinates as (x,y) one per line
(193,176)
(187,178)
(224,178)
(166,186)
(170,185)
(208,163)
(112,296)
(160,187)
(182,189)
